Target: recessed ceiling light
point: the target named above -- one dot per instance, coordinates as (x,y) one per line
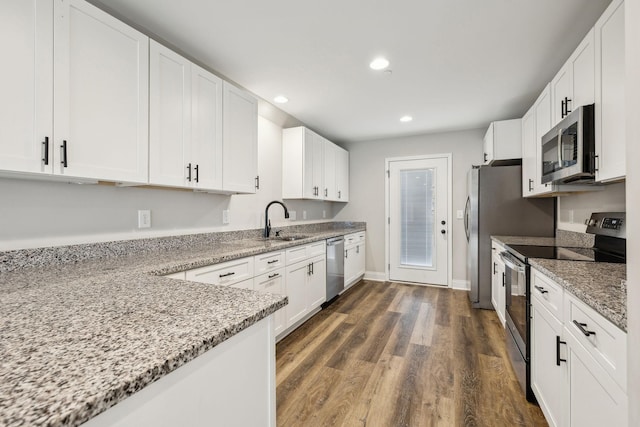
(379,64)
(281,99)
(405,119)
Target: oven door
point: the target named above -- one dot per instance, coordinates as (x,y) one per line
(516,298)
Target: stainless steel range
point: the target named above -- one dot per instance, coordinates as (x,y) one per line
(609,246)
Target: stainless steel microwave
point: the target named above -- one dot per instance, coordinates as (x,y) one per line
(568,150)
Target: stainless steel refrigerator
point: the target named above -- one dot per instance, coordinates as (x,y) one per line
(495,206)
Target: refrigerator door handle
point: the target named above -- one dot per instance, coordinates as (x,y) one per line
(467,207)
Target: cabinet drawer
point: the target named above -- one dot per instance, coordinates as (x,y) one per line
(549,293)
(271,282)
(295,254)
(601,338)
(267,262)
(315,249)
(226,273)
(353,238)
(245,284)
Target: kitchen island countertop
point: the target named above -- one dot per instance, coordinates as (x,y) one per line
(78,337)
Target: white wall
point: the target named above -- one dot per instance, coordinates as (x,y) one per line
(367,181)
(632,13)
(40,213)
(574,209)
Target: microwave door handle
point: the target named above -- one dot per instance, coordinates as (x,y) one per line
(560,162)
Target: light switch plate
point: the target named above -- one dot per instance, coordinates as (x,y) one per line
(225,216)
(304,214)
(292,215)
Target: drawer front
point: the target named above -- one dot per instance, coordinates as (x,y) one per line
(271,282)
(351,239)
(268,262)
(296,254)
(601,338)
(315,249)
(549,293)
(226,273)
(245,284)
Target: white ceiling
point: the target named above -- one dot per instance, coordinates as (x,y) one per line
(456,64)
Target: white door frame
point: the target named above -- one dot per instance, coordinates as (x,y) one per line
(387,229)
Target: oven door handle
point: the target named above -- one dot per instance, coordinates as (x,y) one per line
(510,262)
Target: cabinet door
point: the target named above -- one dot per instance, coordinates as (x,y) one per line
(273,283)
(360,259)
(560,89)
(497,288)
(329,155)
(488,145)
(342,175)
(610,96)
(26,85)
(548,379)
(529,160)
(317,288)
(350,266)
(240,140)
(543,114)
(296,287)
(311,171)
(101,82)
(582,64)
(169,117)
(594,398)
(206,129)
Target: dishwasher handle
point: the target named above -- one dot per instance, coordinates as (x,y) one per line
(335,242)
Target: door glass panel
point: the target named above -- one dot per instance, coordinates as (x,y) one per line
(417,216)
(569,146)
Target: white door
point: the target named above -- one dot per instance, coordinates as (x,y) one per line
(418,220)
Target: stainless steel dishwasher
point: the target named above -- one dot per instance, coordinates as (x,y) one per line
(335,268)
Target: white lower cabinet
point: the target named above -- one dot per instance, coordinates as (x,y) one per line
(498,296)
(578,360)
(354,258)
(306,288)
(273,283)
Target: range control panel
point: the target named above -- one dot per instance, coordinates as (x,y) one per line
(607,224)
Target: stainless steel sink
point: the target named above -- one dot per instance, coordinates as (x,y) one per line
(292,237)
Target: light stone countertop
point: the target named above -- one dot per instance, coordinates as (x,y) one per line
(78,337)
(598,284)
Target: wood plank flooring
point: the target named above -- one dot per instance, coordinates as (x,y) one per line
(389,354)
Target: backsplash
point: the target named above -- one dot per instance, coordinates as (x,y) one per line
(574,239)
(574,209)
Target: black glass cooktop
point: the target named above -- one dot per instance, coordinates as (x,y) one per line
(572,254)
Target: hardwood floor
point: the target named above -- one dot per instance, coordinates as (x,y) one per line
(388,354)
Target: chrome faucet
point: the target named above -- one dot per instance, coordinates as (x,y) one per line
(267,223)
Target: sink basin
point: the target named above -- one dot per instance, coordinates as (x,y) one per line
(292,237)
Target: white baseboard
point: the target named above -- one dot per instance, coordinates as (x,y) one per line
(463,285)
(375,276)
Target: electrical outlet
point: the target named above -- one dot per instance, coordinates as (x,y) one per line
(225,216)
(459,214)
(292,215)
(304,214)
(144,219)
(324,213)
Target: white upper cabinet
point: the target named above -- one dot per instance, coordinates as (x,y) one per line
(529,157)
(313,167)
(185,123)
(329,159)
(609,94)
(342,174)
(574,84)
(26,86)
(240,140)
(101,81)
(502,141)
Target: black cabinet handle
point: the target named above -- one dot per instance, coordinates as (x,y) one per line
(197,173)
(566,106)
(485,157)
(530,184)
(45,156)
(308,269)
(596,160)
(558,358)
(228,274)
(503,280)
(271,276)
(312,272)
(346,253)
(494,268)
(273,260)
(541,289)
(258,182)
(339,194)
(64,153)
(326,192)
(582,327)
(189,174)
(562,114)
